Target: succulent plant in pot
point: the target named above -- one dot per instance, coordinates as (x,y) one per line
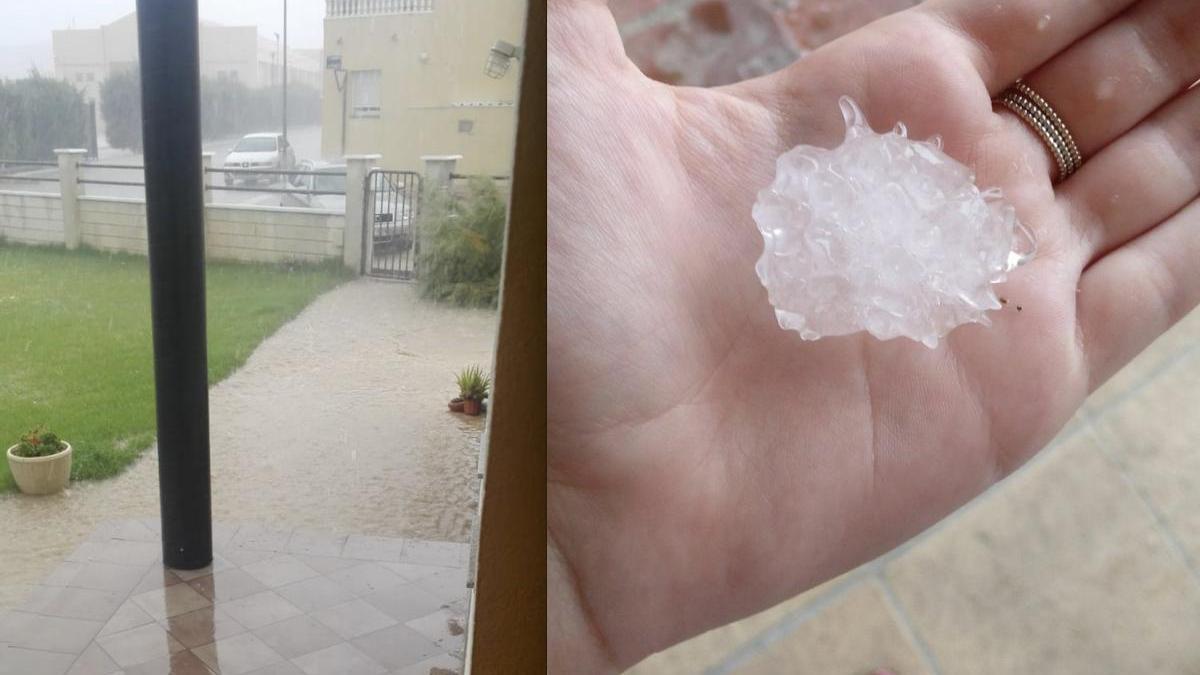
(473,388)
(40,462)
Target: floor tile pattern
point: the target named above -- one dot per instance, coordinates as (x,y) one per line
(273,602)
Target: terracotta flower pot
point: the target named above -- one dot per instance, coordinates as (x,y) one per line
(456,404)
(471,406)
(41,475)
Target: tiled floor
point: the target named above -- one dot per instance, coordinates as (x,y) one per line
(1084,561)
(273,602)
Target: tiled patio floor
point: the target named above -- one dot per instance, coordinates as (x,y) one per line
(273,602)
(1084,561)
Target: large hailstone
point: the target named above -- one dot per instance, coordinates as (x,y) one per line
(882,233)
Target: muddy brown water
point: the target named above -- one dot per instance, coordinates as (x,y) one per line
(336,423)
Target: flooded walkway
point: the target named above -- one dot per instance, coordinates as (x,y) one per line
(337,423)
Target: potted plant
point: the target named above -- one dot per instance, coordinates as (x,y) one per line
(40,463)
(473,386)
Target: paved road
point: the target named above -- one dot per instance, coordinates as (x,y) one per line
(306,140)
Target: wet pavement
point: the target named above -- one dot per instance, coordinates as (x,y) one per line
(273,602)
(336,424)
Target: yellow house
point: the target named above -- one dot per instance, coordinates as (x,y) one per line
(414,78)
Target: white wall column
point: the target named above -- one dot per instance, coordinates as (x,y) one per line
(69,188)
(357,167)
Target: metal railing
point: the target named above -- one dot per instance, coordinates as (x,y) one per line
(336,8)
(6,163)
(275,172)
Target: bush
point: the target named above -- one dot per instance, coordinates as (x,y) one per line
(121,107)
(39,114)
(462,246)
(39,443)
(227,108)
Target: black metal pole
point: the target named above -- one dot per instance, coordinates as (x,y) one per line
(285,71)
(168,49)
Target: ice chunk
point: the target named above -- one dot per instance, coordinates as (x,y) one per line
(885,234)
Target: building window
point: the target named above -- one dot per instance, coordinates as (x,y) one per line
(364,93)
(465,126)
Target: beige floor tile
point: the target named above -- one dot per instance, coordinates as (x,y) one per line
(315,593)
(297,636)
(341,659)
(34,631)
(133,530)
(93,661)
(218,564)
(305,542)
(202,626)
(326,564)
(260,609)
(438,664)
(122,552)
(179,663)
(106,577)
(711,648)
(449,584)
(1155,435)
(413,572)
(404,603)
(441,553)
(365,578)
(20,661)
(169,601)
(443,628)
(73,603)
(258,537)
(1060,571)
(1170,345)
(62,575)
(229,584)
(127,616)
(279,571)
(245,556)
(353,619)
(397,647)
(156,577)
(856,633)
(366,547)
(139,645)
(237,655)
(282,668)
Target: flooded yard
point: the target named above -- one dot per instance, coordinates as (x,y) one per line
(337,423)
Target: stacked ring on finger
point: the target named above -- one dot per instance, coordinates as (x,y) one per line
(1027,104)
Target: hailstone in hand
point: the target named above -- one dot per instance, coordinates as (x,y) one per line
(884,234)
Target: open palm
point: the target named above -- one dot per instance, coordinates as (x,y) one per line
(706,464)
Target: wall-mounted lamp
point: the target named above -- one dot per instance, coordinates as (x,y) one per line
(500,57)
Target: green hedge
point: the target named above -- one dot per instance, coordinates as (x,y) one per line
(39,114)
(462,246)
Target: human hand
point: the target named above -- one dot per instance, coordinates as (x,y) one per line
(706,464)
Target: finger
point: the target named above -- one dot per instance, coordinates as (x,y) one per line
(1103,85)
(1134,294)
(1007,39)
(1139,180)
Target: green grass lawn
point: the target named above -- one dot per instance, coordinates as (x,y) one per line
(75,343)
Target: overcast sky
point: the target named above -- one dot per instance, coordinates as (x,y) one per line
(24,22)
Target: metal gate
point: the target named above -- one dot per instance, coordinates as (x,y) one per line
(391,201)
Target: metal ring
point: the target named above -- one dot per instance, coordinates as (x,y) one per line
(1033,109)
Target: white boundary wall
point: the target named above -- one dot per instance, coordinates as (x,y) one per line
(31,217)
(244,233)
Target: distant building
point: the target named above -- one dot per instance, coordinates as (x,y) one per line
(85,57)
(407,78)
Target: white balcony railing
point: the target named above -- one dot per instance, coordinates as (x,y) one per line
(335,8)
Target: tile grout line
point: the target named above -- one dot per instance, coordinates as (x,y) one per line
(786,625)
(906,623)
(1161,525)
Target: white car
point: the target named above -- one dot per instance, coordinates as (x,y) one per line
(330,178)
(259,151)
